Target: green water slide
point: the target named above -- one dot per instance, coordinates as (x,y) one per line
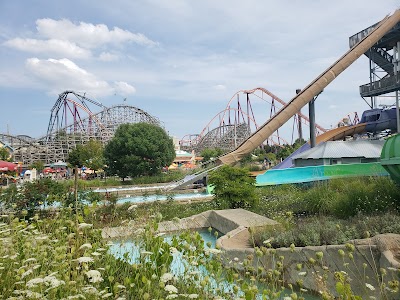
(390,157)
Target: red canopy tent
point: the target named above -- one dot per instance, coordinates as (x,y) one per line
(7,166)
(48,170)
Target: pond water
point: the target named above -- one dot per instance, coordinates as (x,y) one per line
(151,198)
(130,251)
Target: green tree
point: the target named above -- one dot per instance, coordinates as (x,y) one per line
(139,149)
(38,165)
(4,154)
(209,153)
(233,187)
(90,155)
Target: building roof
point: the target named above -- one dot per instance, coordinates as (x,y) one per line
(340,149)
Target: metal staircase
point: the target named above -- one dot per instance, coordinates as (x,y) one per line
(383,77)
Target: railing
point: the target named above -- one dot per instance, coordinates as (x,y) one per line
(385,85)
(354,39)
(384,54)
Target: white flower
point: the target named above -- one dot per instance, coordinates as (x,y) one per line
(53,281)
(85,259)
(370,286)
(85,225)
(172,296)
(96,253)
(79,296)
(193,296)
(171,289)
(172,250)
(34,282)
(213,251)
(86,246)
(90,290)
(94,276)
(236,259)
(302,273)
(29,260)
(166,277)
(33,295)
(132,207)
(100,249)
(26,273)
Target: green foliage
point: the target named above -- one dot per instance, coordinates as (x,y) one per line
(139,149)
(89,155)
(233,187)
(209,153)
(318,231)
(38,165)
(31,195)
(4,154)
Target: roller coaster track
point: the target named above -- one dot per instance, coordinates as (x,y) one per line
(313,89)
(307,94)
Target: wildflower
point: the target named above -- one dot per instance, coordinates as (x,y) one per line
(53,281)
(370,286)
(132,207)
(28,272)
(85,225)
(33,295)
(302,273)
(236,259)
(85,259)
(166,277)
(100,249)
(33,282)
(96,253)
(86,246)
(94,276)
(29,260)
(79,296)
(193,296)
(213,251)
(171,289)
(106,295)
(172,296)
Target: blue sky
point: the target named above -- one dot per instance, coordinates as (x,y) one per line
(180,61)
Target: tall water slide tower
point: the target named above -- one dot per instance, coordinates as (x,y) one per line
(384,64)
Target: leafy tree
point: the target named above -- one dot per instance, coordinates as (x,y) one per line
(77,156)
(233,187)
(139,149)
(38,165)
(208,153)
(90,155)
(33,194)
(284,152)
(4,154)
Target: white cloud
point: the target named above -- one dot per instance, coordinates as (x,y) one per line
(52,47)
(89,35)
(63,74)
(123,88)
(106,56)
(220,87)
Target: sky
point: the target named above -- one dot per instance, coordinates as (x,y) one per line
(180,61)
